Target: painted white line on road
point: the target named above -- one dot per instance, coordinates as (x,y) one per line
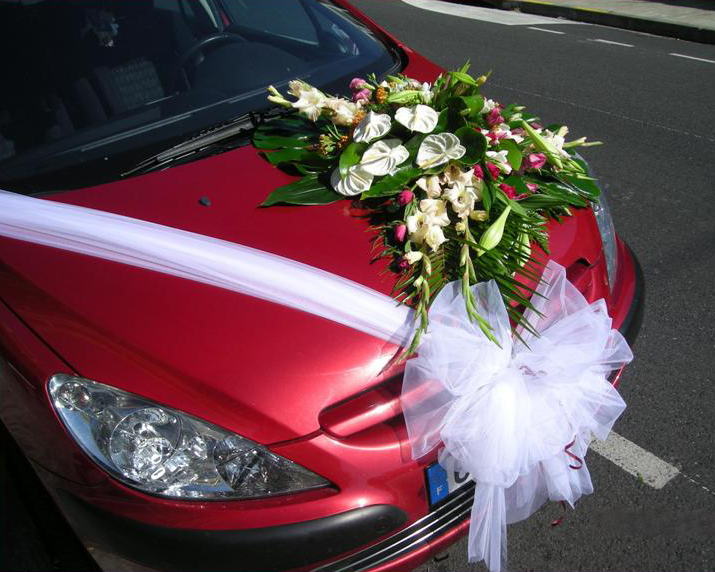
(492,15)
(545,30)
(692,58)
(613,43)
(635,460)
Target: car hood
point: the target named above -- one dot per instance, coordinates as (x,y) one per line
(251,366)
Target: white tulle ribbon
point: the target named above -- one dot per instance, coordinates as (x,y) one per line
(504,413)
(507,414)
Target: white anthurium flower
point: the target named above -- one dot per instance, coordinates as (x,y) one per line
(489,104)
(499,158)
(372,126)
(435,211)
(420,118)
(311,103)
(343,110)
(356,181)
(438,149)
(383,157)
(430,185)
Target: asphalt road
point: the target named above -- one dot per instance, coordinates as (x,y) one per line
(655,114)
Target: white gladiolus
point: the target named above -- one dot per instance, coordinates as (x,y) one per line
(372,126)
(383,157)
(430,185)
(426,224)
(462,200)
(438,149)
(356,181)
(420,118)
(311,103)
(413,257)
(344,111)
(499,158)
(436,211)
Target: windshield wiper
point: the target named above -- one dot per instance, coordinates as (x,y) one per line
(208,139)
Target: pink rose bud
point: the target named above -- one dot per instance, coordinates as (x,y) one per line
(493,170)
(509,191)
(494,118)
(400,232)
(518,131)
(478,172)
(535,160)
(362,95)
(532,187)
(357,83)
(405,197)
(403,264)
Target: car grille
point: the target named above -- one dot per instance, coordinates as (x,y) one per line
(447,515)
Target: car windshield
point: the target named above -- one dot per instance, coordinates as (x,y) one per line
(91,86)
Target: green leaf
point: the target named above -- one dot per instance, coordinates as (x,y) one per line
(474,103)
(515,206)
(513,152)
(350,156)
(464,78)
(294,155)
(584,186)
(277,142)
(306,191)
(393,184)
(474,142)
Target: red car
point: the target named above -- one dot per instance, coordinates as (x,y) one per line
(182,426)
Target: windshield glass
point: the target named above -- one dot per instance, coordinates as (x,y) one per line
(91,86)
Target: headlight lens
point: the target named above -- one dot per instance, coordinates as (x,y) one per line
(163,451)
(608,236)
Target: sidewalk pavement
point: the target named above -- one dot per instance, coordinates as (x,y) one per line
(692,20)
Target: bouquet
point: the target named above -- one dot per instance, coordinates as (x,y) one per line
(459,186)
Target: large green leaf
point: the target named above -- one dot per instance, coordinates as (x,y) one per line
(583,185)
(474,142)
(513,152)
(350,156)
(294,155)
(306,191)
(265,141)
(393,184)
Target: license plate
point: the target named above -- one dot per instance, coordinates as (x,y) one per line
(442,483)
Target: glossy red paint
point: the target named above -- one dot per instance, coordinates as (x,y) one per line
(312,389)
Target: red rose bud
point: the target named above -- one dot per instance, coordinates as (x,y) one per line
(478,172)
(494,137)
(494,118)
(509,191)
(400,232)
(357,83)
(405,197)
(493,170)
(403,264)
(535,160)
(532,187)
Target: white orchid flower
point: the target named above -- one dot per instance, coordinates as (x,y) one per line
(383,157)
(344,111)
(311,103)
(420,118)
(430,185)
(356,181)
(372,126)
(438,149)
(499,158)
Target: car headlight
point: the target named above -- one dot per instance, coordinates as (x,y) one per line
(608,236)
(166,452)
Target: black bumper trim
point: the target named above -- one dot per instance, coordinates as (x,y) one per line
(271,548)
(632,323)
(445,517)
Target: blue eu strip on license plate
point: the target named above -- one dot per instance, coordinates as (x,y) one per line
(441,483)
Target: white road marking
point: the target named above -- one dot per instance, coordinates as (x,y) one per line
(492,15)
(635,460)
(613,43)
(692,58)
(545,30)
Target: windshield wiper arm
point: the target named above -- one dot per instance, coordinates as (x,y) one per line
(241,125)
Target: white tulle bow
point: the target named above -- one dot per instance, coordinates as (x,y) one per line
(511,415)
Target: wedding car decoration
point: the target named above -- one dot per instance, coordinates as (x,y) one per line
(460,187)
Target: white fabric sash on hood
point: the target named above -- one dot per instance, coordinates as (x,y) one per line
(515,417)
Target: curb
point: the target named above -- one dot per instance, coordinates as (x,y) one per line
(581,14)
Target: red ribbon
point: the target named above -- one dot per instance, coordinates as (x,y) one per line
(575,457)
(562,517)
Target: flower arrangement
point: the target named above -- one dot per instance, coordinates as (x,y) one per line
(459,186)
